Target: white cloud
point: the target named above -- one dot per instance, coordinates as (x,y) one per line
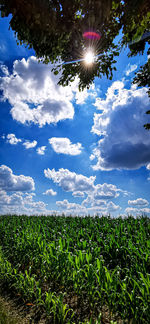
(11,182)
(130,68)
(148,166)
(78,194)
(70,181)
(90,201)
(29,144)
(35,96)
(63,145)
(111,207)
(125,143)
(81,96)
(50,192)
(4,199)
(66,205)
(14,199)
(41,150)
(77,209)
(105,191)
(4,68)
(138,202)
(92,157)
(12,139)
(145,210)
(100,125)
(131,210)
(98,196)
(19,203)
(137,211)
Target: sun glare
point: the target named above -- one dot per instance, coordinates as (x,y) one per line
(89,57)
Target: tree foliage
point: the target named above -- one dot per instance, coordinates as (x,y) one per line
(142,79)
(54,29)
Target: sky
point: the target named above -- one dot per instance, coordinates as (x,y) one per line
(71,152)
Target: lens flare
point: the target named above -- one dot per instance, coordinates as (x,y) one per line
(91,35)
(89,57)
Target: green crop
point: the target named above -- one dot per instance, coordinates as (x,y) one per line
(74,269)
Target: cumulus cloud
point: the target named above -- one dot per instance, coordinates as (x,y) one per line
(41,150)
(35,96)
(78,194)
(138,202)
(137,211)
(50,192)
(132,210)
(82,96)
(130,68)
(111,207)
(148,166)
(100,194)
(80,184)
(19,203)
(70,181)
(100,126)
(12,139)
(98,197)
(63,145)
(79,209)
(14,199)
(105,191)
(4,69)
(145,210)
(92,157)
(124,143)
(29,144)
(90,201)
(11,182)
(66,205)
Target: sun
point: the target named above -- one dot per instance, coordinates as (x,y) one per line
(89,57)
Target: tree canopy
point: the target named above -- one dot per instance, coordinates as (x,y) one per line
(142,79)
(55,28)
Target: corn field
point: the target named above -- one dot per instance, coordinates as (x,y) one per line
(75,268)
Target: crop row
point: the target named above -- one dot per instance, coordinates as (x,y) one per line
(73,268)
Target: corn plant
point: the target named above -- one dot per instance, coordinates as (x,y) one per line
(72,267)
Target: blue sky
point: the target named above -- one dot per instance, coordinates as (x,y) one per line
(65,151)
